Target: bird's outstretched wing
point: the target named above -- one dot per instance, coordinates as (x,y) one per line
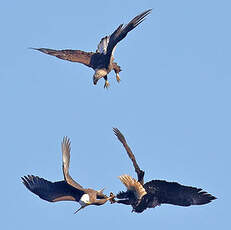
(69,55)
(140,173)
(66,149)
(51,191)
(122,31)
(177,194)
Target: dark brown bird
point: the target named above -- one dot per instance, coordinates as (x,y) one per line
(155,192)
(65,190)
(102,61)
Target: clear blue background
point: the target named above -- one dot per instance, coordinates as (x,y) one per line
(172,105)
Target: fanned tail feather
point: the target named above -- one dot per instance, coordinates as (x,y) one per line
(133,185)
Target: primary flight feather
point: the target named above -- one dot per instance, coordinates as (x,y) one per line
(67,189)
(102,61)
(142,195)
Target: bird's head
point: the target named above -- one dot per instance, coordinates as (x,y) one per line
(99,73)
(84,202)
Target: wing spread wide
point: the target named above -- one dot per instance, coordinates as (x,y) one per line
(51,191)
(177,194)
(122,31)
(69,55)
(140,173)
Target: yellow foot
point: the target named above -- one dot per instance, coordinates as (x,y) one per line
(106,85)
(118,78)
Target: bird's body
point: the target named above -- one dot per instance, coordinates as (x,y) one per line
(159,192)
(142,195)
(102,61)
(66,190)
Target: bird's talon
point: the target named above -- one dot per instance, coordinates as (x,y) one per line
(106,85)
(112,198)
(118,78)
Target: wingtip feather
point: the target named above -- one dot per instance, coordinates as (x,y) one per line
(203,197)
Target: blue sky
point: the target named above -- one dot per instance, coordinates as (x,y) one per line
(172,105)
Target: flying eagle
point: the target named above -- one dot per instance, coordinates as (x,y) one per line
(142,195)
(102,61)
(67,189)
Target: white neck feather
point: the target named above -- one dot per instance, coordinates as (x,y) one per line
(84,200)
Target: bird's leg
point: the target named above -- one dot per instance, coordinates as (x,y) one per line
(106,85)
(118,77)
(116,69)
(121,201)
(102,198)
(101,201)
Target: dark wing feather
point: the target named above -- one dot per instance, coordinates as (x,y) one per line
(177,194)
(140,173)
(127,198)
(121,32)
(51,191)
(69,55)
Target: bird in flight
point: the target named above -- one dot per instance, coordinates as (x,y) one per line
(67,189)
(102,61)
(142,195)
